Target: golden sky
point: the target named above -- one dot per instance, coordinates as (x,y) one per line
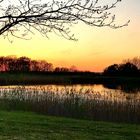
(95,49)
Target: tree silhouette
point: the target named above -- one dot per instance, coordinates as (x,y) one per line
(13,65)
(23,64)
(61,69)
(20,17)
(126,69)
(135,61)
(2,64)
(111,70)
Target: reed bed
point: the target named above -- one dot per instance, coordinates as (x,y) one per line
(110,105)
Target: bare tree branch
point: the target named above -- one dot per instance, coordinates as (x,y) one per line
(53,16)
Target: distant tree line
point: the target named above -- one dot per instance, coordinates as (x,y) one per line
(129,67)
(25,64)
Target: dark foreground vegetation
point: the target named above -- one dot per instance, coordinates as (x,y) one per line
(88,104)
(30,126)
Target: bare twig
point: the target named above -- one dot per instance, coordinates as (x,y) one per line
(54,16)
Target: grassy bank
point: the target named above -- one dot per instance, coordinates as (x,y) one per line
(34,78)
(30,126)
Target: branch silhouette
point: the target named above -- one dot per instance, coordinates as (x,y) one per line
(53,16)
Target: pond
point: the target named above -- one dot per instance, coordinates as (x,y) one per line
(97,102)
(120,91)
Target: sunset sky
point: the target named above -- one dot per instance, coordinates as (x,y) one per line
(95,49)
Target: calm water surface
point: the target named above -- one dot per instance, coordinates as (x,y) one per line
(98,87)
(100,91)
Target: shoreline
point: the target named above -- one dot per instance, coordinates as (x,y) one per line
(39,78)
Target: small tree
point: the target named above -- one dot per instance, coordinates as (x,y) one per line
(23,16)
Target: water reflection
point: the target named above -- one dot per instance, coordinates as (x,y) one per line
(132,88)
(100,91)
(128,88)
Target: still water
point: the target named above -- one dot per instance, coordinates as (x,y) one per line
(95,87)
(101,91)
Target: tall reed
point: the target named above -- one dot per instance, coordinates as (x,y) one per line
(72,102)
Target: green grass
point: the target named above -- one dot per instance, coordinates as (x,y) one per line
(30,126)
